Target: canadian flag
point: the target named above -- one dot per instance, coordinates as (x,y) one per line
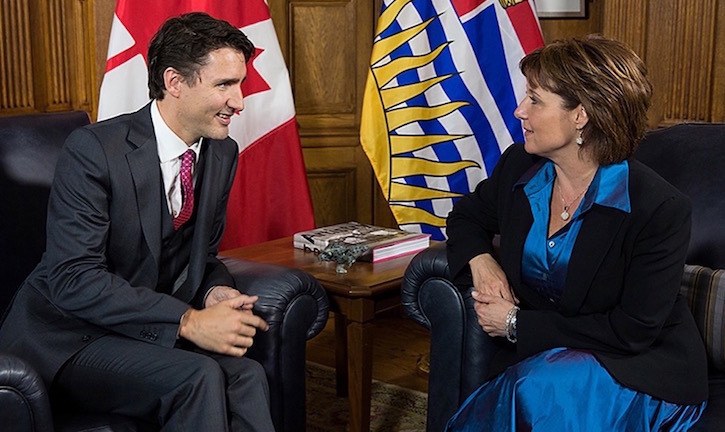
(270,197)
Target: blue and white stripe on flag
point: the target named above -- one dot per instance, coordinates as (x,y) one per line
(439,100)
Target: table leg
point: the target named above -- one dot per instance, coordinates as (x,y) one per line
(360,373)
(341,354)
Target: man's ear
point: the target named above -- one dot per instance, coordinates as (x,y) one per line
(172,82)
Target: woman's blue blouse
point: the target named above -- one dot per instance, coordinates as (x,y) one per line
(545,260)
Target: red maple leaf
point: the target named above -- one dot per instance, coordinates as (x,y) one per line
(254,83)
(142,18)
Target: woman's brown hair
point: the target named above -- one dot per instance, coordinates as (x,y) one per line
(608,79)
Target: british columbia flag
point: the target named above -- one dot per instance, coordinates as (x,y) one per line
(440,99)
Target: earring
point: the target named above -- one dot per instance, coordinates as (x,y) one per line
(579,139)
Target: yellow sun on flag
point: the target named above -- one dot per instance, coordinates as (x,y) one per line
(384,115)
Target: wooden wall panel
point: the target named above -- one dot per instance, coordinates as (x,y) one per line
(690,95)
(103,19)
(332,191)
(328,69)
(320,63)
(623,20)
(54,73)
(16,68)
(327,43)
(568,27)
(718,85)
(50,68)
(682,60)
(340,184)
(82,52)
(327,65)
(686,60)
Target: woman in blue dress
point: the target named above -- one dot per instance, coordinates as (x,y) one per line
(584,294)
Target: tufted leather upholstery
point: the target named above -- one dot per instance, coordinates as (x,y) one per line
(690,156)
(23,398)
(295,306)
(460,351)
(291,301)
(29,148)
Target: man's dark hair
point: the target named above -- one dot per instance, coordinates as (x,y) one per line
(184,43)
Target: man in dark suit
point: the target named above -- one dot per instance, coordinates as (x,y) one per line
(129,310)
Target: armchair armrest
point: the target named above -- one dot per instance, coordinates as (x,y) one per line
(296,307)
(23,397)
(460,351)
(704,290)
(429,264)
(278,288)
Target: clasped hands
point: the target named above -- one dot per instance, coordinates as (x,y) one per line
(226,325)
(492,295)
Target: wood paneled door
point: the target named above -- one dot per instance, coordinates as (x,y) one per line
(327,46)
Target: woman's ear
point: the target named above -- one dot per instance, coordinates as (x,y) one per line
(581,118)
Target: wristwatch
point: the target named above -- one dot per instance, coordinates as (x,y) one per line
(511,324)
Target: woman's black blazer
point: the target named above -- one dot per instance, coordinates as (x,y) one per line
(621,297)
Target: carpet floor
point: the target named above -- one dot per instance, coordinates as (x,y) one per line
(393,408)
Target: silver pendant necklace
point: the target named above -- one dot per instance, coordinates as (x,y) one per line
(564,215)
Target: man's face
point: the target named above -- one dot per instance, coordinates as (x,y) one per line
(208,102)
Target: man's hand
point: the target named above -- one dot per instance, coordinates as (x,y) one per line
(228,327)
(489,278)
(220,293)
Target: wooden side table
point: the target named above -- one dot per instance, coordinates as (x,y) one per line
(355,297)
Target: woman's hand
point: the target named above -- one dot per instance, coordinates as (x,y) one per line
(491,312)
(489,278)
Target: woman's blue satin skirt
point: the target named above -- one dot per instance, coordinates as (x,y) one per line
(566,390)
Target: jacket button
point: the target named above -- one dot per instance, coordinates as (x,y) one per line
(86,338)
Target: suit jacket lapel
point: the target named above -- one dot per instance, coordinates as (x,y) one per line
(521,221)
(598,232)
(205,214)
(143,163)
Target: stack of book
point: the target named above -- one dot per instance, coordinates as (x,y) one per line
(381,243)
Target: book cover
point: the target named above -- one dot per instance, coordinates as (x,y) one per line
(381,243)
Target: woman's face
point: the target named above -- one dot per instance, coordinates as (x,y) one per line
(549,128)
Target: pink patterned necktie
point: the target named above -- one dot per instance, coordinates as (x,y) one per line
(187,189)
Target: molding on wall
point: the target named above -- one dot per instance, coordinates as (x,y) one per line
(683,62)
(16,67)
(626,21)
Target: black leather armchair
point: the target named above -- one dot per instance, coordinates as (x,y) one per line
(291,301)
(691,157)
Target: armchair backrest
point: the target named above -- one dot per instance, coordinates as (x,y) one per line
(29,149)
(692,158)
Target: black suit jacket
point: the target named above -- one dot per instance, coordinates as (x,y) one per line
(621,297)
(101,265)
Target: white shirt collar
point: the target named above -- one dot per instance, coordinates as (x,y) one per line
(170,146)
